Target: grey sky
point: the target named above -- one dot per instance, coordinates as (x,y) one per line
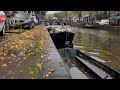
(52,12)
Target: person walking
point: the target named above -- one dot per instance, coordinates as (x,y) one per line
(62,24)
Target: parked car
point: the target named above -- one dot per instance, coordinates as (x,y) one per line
(102,22)
(25,19)
(35,20)
(2,23)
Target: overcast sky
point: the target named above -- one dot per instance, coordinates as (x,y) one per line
(52,12)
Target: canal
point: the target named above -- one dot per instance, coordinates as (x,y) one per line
(101,45)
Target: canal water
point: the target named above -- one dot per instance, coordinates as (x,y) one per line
(101,45)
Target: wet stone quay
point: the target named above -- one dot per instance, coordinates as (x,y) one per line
(31,55)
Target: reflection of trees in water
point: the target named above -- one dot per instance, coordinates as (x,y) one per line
(104,40)
(107,44)
(85,41)
(77,39)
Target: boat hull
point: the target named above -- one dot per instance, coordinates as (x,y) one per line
(60,38)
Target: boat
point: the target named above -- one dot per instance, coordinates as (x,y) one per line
(98,69)
(61,37)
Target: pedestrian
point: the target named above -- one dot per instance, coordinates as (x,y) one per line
(62,24)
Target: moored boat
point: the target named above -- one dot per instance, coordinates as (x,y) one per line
(99,69)
(61,37)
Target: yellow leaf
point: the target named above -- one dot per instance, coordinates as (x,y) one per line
(4,65)
(29,54)
(31,72)
(49,73)
(42,56)
(10,62)
(52,70)
(12,54)
(16,46)
(2,58)
(10,72)
(5,54)
(60,63)
(18,58)
(12,47)
(1,52)
(21,71)
(52,62)
(5,45)
(5,51)
(24,58)
(39,65)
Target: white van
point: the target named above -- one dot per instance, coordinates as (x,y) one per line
(104,22)
(2,23)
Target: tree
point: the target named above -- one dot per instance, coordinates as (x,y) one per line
(102,15)
(78,13)
(60,15)
(43,13)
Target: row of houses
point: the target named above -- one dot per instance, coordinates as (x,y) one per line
(90,18)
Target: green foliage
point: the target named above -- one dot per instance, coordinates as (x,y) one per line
(41,12)
(102,15)
(61,15)
(36,48)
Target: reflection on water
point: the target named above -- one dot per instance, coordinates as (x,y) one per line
(102,45)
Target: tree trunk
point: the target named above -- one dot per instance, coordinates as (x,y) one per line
(79,15)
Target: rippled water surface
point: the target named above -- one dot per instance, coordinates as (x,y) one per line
(102,45)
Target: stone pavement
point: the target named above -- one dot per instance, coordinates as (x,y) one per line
(31,55)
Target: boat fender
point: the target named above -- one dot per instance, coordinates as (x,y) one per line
(67,43)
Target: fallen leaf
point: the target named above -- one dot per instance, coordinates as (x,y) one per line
(24,58)
(21,71)
(18,58)
(60,63)
(42,56)
(52,62)
(10,62)
(39,65)
(2,58)
(12,47)
(43,75)
(29,54)
(12,54)
(5,51)
(5,45)
(10,72)
(4,65)
(5,54)
(52,70)
(31,72)
(47,75)
(43,61)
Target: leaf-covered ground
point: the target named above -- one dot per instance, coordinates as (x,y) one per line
(23,56)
